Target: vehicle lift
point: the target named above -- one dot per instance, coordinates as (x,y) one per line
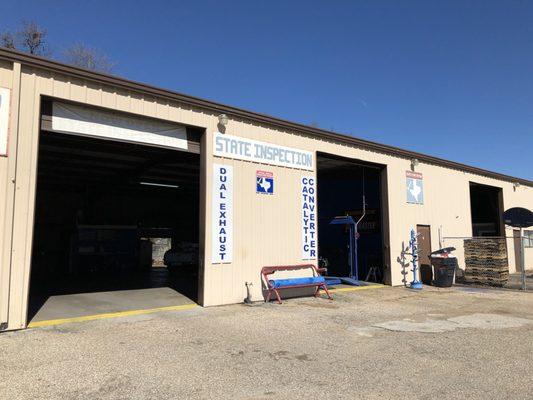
(353,278)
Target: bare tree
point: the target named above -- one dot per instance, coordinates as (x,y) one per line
(32,38)
(84,56)
(7,40)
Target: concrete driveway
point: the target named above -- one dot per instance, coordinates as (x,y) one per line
(373,344)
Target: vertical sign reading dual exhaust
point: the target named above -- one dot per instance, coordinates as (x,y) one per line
(222,249)
(309,220)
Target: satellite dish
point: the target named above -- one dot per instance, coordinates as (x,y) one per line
(518,217)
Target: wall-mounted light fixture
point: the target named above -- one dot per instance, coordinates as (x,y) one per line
(222,122)
(414,163)
(516,185)
(223,119)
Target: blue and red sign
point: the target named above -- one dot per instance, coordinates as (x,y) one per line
(264,182)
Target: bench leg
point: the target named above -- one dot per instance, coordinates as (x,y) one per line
(277,295)
(327,292)
(270,295)
(317,291)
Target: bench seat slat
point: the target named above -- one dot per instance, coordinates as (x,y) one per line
(304,281)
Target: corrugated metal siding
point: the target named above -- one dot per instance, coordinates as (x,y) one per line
(447,204)
(267,228)
(34,85)
(7,80)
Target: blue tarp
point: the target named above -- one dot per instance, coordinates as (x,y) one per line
(309,280)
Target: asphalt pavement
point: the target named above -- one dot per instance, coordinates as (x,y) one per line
(387,343)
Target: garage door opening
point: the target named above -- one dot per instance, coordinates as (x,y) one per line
(341,184)
(486,205)
(116,227)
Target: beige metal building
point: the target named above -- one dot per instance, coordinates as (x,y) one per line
(91,163)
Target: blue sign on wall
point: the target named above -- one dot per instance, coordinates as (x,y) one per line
(264,182)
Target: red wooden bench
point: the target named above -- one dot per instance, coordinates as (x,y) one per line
(274,285)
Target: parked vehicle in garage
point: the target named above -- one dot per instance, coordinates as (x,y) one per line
(181,255)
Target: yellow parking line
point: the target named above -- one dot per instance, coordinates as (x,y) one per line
(356,288)
(38,324)
(51,322)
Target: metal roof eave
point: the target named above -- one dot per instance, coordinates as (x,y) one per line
(55,66)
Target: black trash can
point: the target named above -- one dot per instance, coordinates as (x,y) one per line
(444,270)
(426,274)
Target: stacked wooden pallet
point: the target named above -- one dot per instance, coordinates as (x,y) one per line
(486,262)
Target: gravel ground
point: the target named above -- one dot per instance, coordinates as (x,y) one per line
(385,343)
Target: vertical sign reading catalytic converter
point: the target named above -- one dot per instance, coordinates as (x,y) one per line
(309,239)
(222,218)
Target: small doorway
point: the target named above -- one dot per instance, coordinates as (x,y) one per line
(424,250)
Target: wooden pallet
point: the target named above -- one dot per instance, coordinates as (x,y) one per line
(485,248)
(486,278)
(491,267)
(504,274)
(495,276)
(485,283)
(486,262)
(487,266)
(486,256)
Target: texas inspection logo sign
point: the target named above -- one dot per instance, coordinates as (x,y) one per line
(264,182)
(415,187)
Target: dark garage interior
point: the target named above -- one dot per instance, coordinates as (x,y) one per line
(341,185)
(486,205)
(109,214)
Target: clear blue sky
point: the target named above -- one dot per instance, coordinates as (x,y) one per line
(452,79)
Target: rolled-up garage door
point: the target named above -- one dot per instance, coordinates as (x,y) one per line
(75,119)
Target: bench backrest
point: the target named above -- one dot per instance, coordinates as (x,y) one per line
(272,269)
